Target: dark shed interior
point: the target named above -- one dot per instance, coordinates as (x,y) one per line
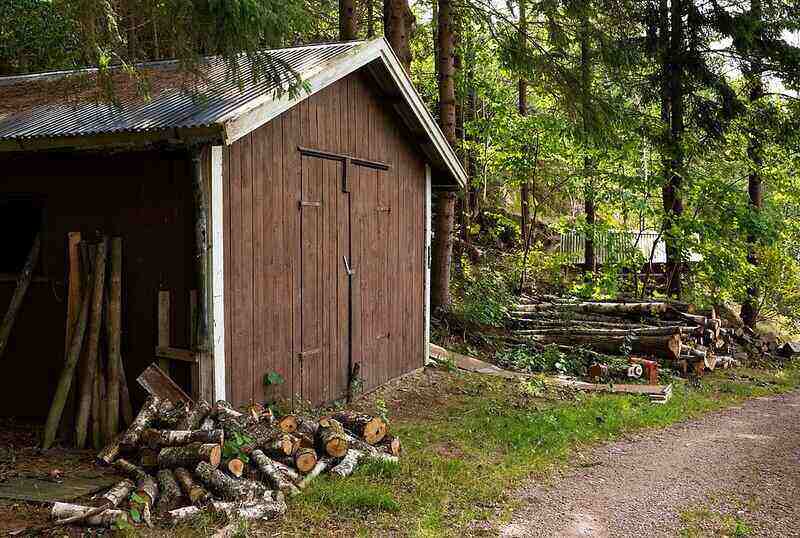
(146,198)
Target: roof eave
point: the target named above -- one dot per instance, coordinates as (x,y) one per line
(256,113)
(123,139)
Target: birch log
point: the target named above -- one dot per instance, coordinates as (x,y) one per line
(197,494)
(86,515)
(92,343)
(269,470)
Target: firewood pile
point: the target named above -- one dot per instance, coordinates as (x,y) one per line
(181,459)
(672,333)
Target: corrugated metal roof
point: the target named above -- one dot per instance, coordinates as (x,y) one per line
(170,108)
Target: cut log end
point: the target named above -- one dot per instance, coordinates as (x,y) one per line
(374,431)
(305,459)
(236,467)
(288,424)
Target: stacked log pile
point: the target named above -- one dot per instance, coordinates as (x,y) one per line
(670,332)
(183,458)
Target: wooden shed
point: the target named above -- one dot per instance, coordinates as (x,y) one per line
(300,222)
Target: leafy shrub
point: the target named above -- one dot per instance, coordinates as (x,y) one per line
(551,359)
(487,299)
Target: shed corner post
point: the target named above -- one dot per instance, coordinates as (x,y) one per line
(208,226)
(428,237)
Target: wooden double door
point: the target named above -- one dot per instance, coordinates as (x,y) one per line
(344,302)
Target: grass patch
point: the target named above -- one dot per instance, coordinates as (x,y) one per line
(465,452)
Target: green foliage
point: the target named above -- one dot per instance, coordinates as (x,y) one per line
(487,297)
(273,378)
(233,446)
(551,359)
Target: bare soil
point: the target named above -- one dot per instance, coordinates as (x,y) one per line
(730,473)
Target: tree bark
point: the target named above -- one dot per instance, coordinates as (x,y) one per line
(755,152)
(23,281)
(146,417)
(196,493)
(673,174)
(118,492)
(668,346)
(166,438)
(80,514)
(397,23)
(92,343)
(371,429)
(189,455)
(195,416)
(522,98)
(65,381)
(229,488)
(637,309)
(331,439)
(271,472)
(347,20)
(113,327)
(127,468)
(348,463)
(318,469)
(305,459)
(170,493)
(252,510)
(445,201)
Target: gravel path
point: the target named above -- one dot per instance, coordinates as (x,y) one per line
(740,464)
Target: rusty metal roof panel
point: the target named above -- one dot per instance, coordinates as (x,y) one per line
(169,108)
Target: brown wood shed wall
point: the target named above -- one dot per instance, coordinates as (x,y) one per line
(144,197)
(288,225)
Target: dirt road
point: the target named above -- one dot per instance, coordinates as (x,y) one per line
(734,473)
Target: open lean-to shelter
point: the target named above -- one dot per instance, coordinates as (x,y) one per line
(262,233)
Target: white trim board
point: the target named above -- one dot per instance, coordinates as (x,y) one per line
(218,271)
(428,237)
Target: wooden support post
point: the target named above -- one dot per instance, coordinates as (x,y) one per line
(164,326)
(113,326)
(203,340)
(23,282)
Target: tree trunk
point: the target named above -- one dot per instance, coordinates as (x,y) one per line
(146,417)
(226,487)
(673,177)
(522,97)
(195,416)
(396,28)
(166,438)
(755,152)
(65,381)
(318,469)
(445,201)
(129,469)
(668,347)
(305,459)
(118,492)
(589,258)
(92,343)
(113,328)
(261,509)
(196,493)
(347,20)
(331,439)
(271,472)
(189,455)
(637,309)
(170,497)
(348,463)
(371,429)
(565,331)
(81,514)
(23,281)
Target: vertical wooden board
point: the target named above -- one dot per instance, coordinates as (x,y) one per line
(358,268)
(260,203)
(396,356)
(228,262)
(236,274)
(418,172)
(340,371)
(245,361)
(292,182)
(281,306)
